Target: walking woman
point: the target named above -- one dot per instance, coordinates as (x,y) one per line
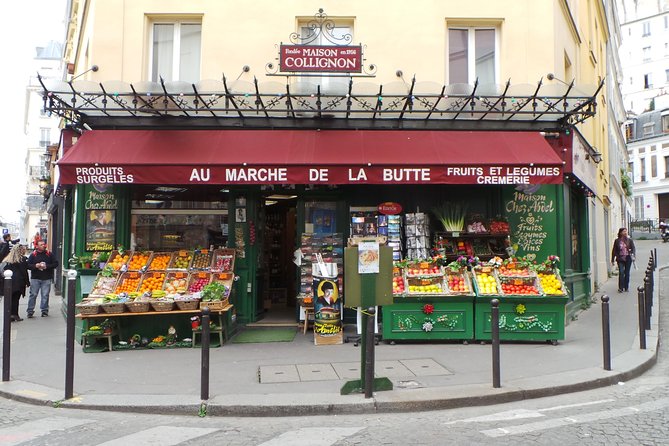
(18,265)
(623,253)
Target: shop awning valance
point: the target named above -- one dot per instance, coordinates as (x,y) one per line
(230,157)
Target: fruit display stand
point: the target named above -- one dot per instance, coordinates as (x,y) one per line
(526,313)
(429,310)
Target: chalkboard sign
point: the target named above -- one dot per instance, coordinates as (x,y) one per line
(533,221)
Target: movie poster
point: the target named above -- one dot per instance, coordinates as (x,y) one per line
(327,311)
(100,230)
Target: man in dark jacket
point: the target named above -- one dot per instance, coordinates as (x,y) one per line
(5,246)
(41,264)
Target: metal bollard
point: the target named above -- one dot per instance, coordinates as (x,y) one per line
(69,334)
(642,321)
(204,375)
(369,357)
(647,301)
(494,328)
(655,257)
(606,332)
(6,328)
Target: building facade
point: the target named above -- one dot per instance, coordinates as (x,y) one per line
(645,53)
(42,132)
(648,149)
(195,59)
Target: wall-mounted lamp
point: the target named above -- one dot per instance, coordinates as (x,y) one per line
(551,77)
(595,156)
(93,68)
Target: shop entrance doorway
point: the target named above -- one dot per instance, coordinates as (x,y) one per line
(278,271)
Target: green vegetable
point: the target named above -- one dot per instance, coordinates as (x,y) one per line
(213,291)
(451,215)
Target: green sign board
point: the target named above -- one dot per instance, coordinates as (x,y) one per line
(368,290)
(533,220)
(100,205)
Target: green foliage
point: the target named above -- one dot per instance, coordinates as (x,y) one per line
(626,183)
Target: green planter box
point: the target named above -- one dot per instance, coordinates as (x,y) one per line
(452,318)
(522,318)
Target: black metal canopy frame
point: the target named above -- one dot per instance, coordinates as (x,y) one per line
(300,104)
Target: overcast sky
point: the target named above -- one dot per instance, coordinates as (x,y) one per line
(27,24)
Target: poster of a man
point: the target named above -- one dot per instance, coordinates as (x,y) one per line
(100,230)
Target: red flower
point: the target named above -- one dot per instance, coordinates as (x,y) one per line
(428,308)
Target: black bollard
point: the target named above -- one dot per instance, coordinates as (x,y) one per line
(69,334)
(6,328)
(655,257)
(369,357)
(204,376)
(606,332)
(494,328)
(642,319)
(647,301)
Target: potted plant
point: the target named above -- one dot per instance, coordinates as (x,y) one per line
(101,259)
(85,262)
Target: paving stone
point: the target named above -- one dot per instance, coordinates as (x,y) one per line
(316,372)
(425,367)
(347,370)
(278,374)
(392,369)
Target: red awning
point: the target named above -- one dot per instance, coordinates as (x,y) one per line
(310,157)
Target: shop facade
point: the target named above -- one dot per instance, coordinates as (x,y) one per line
(253,166)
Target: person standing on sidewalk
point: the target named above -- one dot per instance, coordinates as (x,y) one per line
(16,263)
(623,252)
(41,264)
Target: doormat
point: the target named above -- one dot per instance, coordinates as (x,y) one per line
(250,335)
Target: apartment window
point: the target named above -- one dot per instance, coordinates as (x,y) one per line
(631,81)
(666,75)
(629,131)
(647,81)
(642,168)
(329,37)
(666,166)
(176,51)
(665,124)
(648,129)
(44,137)
(653,166)
(646,54)
(666,22)
(646,29)
(638,208)
(666,49)
(471,55)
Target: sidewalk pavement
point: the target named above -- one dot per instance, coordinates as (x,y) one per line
(299,378)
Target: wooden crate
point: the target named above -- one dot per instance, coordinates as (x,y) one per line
(112,257)
(181,261)
(153,275)
(130,275)
(154,256)
(134,265)
(176,275)
(223,261)
(201,260)
(104,285)
(195,277)
(226,279)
